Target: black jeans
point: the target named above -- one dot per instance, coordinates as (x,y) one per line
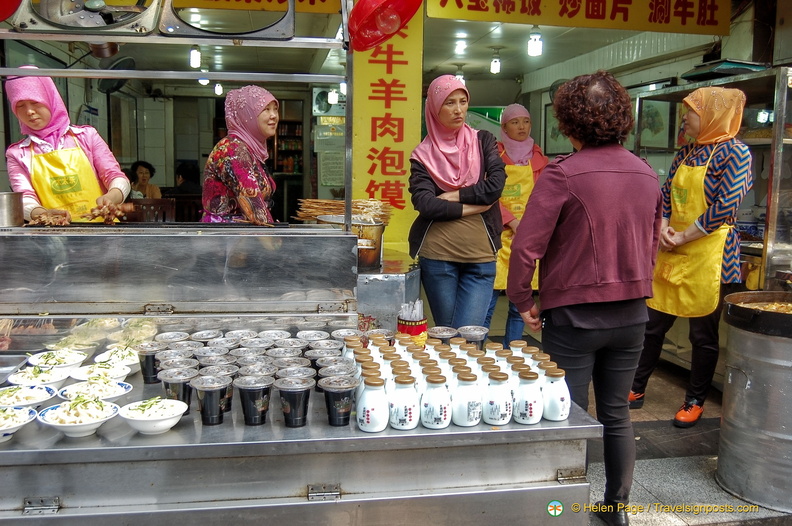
(705,345)
(608,358)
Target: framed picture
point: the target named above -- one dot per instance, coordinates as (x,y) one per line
(656,125)
(555,142)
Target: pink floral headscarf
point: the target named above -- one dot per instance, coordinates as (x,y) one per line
(43,91)
(452,158)
(518,151)
(242,108)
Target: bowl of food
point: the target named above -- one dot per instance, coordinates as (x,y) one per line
(37,375)
(153,416)
(120,356)
(60,359)
(115,372)
(25,395)
(80,417)
(12,419)
(100,387)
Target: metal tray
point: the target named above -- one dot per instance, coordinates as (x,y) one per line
(9,364)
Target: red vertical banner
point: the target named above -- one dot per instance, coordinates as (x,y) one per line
(386,124)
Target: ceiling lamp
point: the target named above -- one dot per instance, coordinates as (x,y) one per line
(342,88)
(204,81)
(218,89)
(195,57)
(332,97)
(495,64)
(459,75)
(535,43)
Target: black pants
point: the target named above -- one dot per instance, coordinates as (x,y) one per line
(703,337)
(606,357)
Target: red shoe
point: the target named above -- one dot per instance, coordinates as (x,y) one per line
(636,400)
(688,414)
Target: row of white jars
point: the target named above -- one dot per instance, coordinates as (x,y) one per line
(404,407)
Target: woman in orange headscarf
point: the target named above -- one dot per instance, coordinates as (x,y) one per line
(699,247)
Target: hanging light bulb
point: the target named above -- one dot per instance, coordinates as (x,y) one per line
(535,43)
(218,89)
(195,57)
(342,88)
(495,64)
(204,81)
(332,97)
(459,75)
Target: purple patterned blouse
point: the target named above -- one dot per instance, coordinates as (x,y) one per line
(237,187)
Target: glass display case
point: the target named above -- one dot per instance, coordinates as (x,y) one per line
(765,216)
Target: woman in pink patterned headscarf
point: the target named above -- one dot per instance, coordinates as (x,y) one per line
(62,171)
(456,178)
(237,185)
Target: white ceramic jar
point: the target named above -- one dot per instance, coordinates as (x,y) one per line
(436,403)
(404,403)
(466,401)
(498,403)
(528,401)
(372,409)
(555,394)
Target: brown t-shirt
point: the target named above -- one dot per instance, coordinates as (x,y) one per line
(462,240)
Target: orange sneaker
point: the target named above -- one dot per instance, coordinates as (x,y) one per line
(688,414)
(636,400)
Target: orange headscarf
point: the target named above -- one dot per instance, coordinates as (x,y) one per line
(720,111)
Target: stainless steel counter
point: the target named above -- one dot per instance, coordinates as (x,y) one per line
(211,473)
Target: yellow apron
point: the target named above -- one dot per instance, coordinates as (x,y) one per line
(519,185)
(65,180)
(687,280)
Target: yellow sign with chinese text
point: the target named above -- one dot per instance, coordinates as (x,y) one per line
(386,124)
(702,17)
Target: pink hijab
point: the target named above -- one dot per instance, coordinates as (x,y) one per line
(518,151)
(242,108)
(453,159)
(43,91)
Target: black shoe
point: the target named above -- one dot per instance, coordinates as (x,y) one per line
(608,514)
(636,400)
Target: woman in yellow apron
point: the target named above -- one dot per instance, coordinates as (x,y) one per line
(699,247)
(524,162)
(62,171)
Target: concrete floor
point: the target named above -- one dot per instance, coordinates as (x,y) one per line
(674,466)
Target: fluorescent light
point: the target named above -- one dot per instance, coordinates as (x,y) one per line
(195,57)
(218,89)
(460,47)
(535,43)
(204,81)
(342,88)
(495,64)
(332,97)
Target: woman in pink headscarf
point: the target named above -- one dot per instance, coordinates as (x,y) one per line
(524,162)
(237,185)
(456,176)
(62,171)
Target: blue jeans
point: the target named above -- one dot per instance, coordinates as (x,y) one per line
(458,293)
(514,322)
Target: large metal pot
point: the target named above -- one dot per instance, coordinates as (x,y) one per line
(11,213)
(755,446)
(369,235)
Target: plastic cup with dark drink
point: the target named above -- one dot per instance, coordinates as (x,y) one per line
(294,394)
(338,393)
(334,370)
(149,367)
(177,384)
(254,395)
(222,370)
(211,391)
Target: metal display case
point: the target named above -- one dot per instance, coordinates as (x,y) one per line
(318,474)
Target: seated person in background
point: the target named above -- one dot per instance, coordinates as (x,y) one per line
(188,180)
(133,194)
(143,172)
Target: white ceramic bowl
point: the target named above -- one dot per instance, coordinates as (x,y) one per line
(168,413)
(107,392)
(82,429)
(25,395)
(115,372)
(25,415)
(128,357)
(53,378)
(61,359)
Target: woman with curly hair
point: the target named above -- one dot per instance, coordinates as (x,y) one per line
(594,219)
(237,185)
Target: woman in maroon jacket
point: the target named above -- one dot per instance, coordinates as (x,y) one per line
(594,219)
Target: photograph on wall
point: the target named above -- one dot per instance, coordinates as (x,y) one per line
(655,125)
(555,142)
